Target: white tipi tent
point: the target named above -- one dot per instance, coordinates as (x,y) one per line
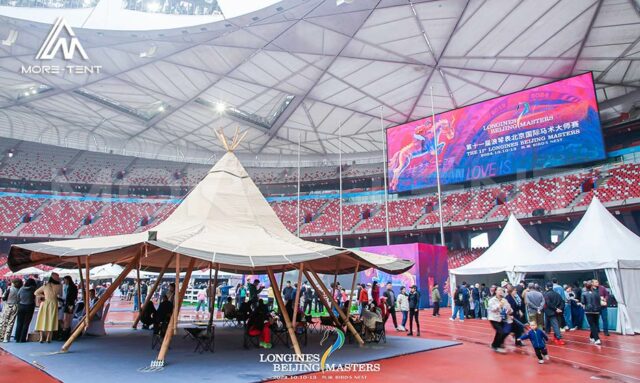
(514,248)
(225,220)
(600,241)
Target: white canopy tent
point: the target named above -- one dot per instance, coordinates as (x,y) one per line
(600,241)
(112,271)
(513,249)
(27,271)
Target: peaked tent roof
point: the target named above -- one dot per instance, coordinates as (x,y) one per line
(224,220)
(599,241)
(514,247)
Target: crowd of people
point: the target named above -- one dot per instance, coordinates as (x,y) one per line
(534,312)
(59,300)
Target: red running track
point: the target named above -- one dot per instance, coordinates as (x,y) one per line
(616,360)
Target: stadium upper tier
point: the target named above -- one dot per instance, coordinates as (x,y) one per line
(68,215)
(23,160)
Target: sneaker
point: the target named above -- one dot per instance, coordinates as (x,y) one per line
(409,334)
(597,342)
(562,330)
(519,343)
(559,342)
(461,320)
(5,341)
(566,328)
(540,361)
(546,357)
(484,318)
(501,350)
(573,329)
(591,340)
(451,319)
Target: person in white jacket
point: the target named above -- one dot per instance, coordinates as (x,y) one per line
(500,317)
(402,305)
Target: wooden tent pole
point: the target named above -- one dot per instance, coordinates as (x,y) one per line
(335,279)
(212,298)
(174,321)
(98,306)
(281,281)
(353,286)
(80,272)
(338,309)
(283,311)
(86,291)
(152,291)
(323,301)
(178,300)
(139,290)
(296,303)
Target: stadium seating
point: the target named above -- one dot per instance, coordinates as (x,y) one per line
(61,217)
(622,183)
(12,209)
(458,258)
(120,218)
(65,217)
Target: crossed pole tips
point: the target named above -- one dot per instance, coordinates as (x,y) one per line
(235,140)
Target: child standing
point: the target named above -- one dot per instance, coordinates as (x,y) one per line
(538,340)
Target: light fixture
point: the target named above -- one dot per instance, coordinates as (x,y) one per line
(161,108)
(34,91)
(153,7)
(220,107)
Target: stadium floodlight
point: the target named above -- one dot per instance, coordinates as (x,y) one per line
(220,107)
(161,108)
(153,7)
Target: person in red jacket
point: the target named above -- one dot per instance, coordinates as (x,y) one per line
(375,293)
(363,298)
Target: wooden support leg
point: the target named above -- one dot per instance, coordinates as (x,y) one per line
(338,308)
(86,292)
(283,311)
(152,291)
(139,288)
(174,315)
(353,287)
(212,297)
(98,306)
(178,300)
(296,303)
(80,272)
(323,301)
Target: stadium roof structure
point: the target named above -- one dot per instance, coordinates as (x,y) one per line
(300,69)
(224,222)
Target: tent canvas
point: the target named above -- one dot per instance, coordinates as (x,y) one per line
(600,241)
(511,250)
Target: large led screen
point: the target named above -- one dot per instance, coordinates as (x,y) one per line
(547,126)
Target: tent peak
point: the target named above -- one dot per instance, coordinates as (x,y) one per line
(235,140)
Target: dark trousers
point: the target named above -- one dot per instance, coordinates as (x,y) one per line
(436,308)
(307,306)
(604,314)
(413,314)
(392,313)
(540,352)
(23,319)
(318,305)
(498,339)
(576,316)
(516,328)
(592,318)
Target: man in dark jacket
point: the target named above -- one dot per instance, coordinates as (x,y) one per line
(307,292)
(391,303)
(475,295)
(466,297)
(554,304)
(414,309)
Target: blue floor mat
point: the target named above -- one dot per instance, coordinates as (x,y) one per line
(124,354)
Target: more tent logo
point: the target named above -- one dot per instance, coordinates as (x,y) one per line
(61,40)
(56,42)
